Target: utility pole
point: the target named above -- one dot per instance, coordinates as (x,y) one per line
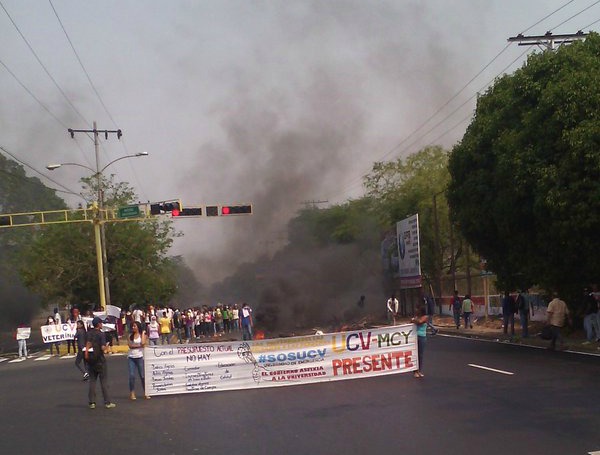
(104,287)
(547,41)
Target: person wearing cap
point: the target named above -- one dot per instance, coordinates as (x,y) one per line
(95,348)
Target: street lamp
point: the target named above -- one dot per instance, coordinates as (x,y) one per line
(52,167)
(99,233)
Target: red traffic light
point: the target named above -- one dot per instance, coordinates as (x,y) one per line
(236,210)
(175,212)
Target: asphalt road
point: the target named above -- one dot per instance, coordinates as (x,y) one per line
(550,404)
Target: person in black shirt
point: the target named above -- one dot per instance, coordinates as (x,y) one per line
(95,347)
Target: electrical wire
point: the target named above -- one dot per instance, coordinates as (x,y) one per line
(593,23)
(575,15)
(20,161)
(546,17)
(352,185)
(82,66)
(87,75)
(43,66)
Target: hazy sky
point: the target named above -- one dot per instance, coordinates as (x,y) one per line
(275,103)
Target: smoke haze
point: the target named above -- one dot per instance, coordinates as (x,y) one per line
(271,103)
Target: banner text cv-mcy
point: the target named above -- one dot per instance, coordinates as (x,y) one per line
(204,367)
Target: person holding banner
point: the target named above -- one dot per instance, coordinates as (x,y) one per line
(56,344)
(420,320)
(22,333)
(135,358)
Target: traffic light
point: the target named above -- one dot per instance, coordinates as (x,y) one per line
(236,210)
(160,208)
(226,210)
(191,211)
(212,210)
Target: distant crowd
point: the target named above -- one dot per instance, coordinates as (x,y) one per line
(171,325)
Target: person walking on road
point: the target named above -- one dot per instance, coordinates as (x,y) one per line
(135,358)
(80,340)
(456,307)
(468,307)
(557,313)
(508,313)
(392,309)
(95,348)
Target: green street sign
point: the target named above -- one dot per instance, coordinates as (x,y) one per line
(131,211)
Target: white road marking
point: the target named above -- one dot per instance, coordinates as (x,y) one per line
(597,452)
(16,360)
(490,369)
(3,359)
(44,357)
(68,356)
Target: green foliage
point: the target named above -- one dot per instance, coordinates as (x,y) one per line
(404,187)
(19,193)
(60,264)
(525,178)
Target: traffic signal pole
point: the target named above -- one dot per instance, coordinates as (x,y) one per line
(104,258)
(100,263)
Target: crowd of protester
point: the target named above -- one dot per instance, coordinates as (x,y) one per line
(166,325)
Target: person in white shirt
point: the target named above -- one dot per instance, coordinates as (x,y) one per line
(392,309)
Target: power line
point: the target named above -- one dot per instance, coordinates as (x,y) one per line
(593,23)
(27,180)
(32,95)
(575,15)
(68,190)
(81,64)
(43,66)
(546,17)
(352,185)
(95,91)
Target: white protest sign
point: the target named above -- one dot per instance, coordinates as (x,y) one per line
(58,332)
(23,333)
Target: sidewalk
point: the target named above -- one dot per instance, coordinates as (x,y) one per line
(491,329)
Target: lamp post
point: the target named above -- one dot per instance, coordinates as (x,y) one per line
(99,233)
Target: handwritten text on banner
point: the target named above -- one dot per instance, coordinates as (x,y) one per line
(190,368)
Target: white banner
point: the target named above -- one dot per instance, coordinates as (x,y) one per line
(206,367)
(409,253)
(58,332)
(114,311)
(23,333)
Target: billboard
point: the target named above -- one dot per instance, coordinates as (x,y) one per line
(409,252)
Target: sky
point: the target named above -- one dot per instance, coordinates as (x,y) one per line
(281,104)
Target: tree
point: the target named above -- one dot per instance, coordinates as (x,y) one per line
(525,178)
(19,193)
(407,186)
(60,262)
